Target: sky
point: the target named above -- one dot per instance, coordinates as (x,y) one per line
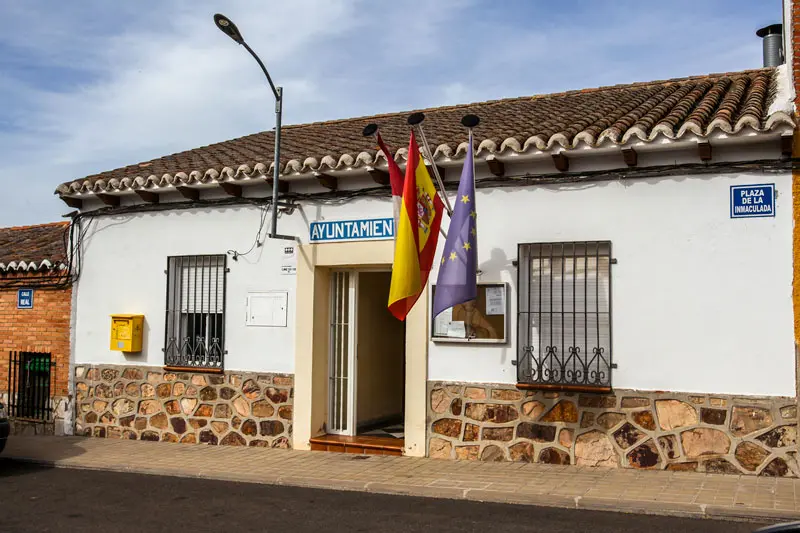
(92,85)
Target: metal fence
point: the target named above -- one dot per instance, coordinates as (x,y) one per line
(30,385)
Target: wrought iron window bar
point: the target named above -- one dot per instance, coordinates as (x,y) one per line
(195,313)
(564,315)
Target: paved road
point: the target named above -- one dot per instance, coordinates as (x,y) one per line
(34,499)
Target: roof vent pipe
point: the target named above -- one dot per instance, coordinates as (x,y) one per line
(772,44)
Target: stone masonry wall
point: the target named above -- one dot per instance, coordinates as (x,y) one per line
(150,403)
(58,425)
(629,429)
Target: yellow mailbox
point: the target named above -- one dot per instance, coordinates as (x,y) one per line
(126,332)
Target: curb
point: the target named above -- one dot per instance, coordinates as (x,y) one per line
(683,510)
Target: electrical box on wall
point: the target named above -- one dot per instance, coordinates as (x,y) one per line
(267,308)
(126,332)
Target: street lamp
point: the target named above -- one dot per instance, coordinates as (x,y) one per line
(227,27)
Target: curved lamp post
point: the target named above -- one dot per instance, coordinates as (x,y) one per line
(227,27)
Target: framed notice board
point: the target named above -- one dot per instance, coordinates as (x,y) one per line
(483,320)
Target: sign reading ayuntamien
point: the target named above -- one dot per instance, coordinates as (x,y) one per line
(352,230)
(749,201)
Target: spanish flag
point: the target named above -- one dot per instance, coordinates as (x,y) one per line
(416,235)
(395,180)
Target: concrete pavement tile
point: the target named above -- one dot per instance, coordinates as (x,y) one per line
(537,489)
(521,498)
(434,492)
(496,497)
(679,509)
(446,483)
(499,487)
(568,493)
(713,511)
(319,483)
(540,492)
(592,493)
(676,500)
(404,483)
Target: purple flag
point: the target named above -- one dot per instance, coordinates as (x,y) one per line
(457,282)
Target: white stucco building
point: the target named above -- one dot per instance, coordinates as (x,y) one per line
(633,310)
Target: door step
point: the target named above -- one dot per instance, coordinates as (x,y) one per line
(358,445)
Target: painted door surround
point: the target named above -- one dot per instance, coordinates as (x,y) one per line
(315,262)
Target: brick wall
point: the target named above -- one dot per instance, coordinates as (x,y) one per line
(46,327)
(795,29)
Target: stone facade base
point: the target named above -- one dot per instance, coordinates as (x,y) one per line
(29,428)
(150,403)
(59,424)
(629,429)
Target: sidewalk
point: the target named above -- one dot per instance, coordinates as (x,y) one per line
(637,491)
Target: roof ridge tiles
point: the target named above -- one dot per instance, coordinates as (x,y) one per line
(34,226)
(31,247)
(527,97)
(613,114)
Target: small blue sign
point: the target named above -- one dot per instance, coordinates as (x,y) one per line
(352,230)
(749,201)
(25,299)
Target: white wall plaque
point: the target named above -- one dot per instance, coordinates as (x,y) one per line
(267,308)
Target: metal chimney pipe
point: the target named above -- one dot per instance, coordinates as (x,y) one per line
(772,36)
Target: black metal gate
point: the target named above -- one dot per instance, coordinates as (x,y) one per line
(30,385)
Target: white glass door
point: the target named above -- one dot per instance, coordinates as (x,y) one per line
(342,359)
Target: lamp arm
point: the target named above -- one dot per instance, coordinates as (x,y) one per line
(264,69)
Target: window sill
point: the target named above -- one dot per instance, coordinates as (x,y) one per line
(195,369)
(563,388)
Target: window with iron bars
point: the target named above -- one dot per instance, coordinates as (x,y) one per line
(564,315)
(195,322)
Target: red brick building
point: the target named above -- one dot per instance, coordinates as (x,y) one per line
(35,305)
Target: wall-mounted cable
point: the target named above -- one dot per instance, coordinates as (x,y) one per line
(260,235)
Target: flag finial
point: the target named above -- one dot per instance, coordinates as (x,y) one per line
(416,118)
(369,130)
(470,121)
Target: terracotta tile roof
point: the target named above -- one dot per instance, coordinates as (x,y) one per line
(613,115)
(29,248)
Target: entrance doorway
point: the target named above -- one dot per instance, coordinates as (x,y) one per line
(366,366)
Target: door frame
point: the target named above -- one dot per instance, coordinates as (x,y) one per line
(345,425)
(312,329)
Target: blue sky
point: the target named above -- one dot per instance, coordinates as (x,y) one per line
(92,85)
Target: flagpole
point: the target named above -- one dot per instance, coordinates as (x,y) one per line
(371,130)
(469,122)
(416,120)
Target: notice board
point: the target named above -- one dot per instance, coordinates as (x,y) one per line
(483,320)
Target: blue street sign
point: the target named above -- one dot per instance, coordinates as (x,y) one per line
(25,299)
(749,201)
(352,230)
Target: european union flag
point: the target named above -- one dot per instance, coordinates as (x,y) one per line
(457,282)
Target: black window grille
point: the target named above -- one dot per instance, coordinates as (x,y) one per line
(564,314)
(195,323)
(30,385)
